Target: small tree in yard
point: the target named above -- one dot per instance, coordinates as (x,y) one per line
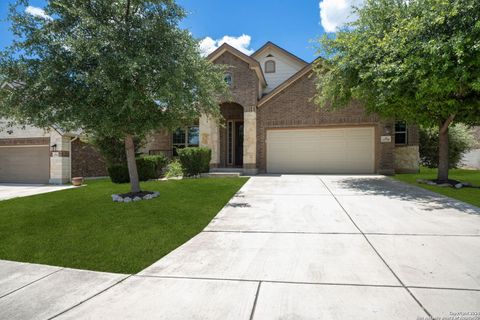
(416,60)
(112,68)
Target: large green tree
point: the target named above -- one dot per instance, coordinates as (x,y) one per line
(113,68)
(415,60)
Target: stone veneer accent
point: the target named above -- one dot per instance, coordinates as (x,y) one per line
(210,138)
(407,159)
(60,165)
(250,143)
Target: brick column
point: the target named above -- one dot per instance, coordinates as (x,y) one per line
(210,138)
(250,141)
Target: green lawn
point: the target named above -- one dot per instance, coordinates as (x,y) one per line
(82,228)
(469,195)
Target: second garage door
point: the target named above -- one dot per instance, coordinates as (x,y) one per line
(336,150)
(25,164)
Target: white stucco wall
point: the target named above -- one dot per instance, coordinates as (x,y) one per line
(285,67)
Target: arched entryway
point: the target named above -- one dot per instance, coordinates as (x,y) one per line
(231,135)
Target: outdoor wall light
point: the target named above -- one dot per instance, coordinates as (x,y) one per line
(387,129)
(54,148)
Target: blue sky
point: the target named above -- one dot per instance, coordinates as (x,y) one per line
(247,24)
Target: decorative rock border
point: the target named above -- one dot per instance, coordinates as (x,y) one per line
(129,197)
(450,183)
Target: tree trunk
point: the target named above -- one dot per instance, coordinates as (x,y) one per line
(443,163)
(132,164)
(442,155)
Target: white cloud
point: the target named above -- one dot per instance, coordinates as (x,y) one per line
(335,13)
(37,12)
(242,43)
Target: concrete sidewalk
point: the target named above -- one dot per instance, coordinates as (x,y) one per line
(12,190)
(291,247)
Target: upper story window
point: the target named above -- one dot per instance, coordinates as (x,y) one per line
(269,66)
(401,132)
(228,79)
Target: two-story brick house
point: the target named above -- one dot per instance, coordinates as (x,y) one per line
(271,124)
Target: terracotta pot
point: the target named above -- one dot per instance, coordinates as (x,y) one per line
(77,181)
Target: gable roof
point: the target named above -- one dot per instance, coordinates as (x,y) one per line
(270,44)
(297,76)
(254,64)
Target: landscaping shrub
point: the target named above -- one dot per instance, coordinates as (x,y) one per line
(174,169)
(146,169)
(118,173)
(160,162)
(149,167)
(195,160)
(461,140)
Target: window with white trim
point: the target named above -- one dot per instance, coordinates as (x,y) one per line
(401,132)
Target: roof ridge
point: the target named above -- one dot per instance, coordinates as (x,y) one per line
(285,84)
(226,46)
(288,53)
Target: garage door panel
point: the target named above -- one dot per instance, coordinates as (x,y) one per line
(339,150)
(25,164)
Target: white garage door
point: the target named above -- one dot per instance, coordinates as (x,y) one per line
(25,164)
(339,150)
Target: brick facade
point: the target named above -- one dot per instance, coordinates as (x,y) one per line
(158,143)
(293,108)
(413,138)
(40,141)
(87,161)
(245,83)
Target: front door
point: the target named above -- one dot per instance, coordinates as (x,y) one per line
(238,144)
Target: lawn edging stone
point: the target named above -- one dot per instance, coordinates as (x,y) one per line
(126,198)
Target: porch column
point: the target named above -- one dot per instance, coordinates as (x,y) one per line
(250,141)
(210,138)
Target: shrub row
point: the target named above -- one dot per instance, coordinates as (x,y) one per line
(191,162)
(149,167)
(195,160)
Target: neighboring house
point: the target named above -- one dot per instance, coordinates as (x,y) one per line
(272,126)
(33,155)
(471,159)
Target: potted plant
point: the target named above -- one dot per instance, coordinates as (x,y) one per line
(77,181)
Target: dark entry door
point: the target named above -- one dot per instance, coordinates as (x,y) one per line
(238,144)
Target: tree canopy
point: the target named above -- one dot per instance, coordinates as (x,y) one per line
(116,68)
(416,60)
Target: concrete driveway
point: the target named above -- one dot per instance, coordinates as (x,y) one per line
(295,247)
(12,190)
